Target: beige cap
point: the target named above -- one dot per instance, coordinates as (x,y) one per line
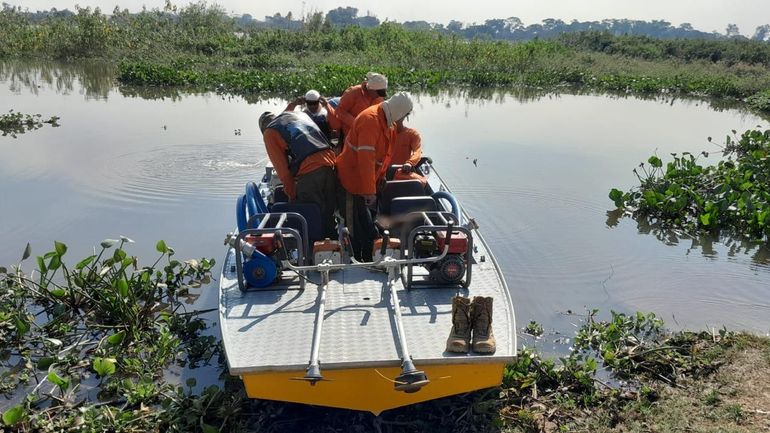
(376,81)
(397,107)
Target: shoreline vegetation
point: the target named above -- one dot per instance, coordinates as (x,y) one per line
(200,46)
(86,347)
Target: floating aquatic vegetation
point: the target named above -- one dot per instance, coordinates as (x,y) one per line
(87,345)
(15,123)
(731,196)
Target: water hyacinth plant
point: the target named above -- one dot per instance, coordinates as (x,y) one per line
(15,123)
(88,345)
(731,196)
(199,45)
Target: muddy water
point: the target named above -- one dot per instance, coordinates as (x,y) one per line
(153,165)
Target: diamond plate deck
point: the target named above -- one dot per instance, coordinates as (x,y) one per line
(272,330)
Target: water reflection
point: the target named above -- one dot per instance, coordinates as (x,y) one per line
(94,79)
(709,245)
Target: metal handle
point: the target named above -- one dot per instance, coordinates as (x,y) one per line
(385,242)
(449,226)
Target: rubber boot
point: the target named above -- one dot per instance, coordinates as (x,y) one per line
(460,337)
(481,322)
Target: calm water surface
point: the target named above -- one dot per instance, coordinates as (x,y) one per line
(165,165)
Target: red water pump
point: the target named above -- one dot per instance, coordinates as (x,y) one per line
(430,241)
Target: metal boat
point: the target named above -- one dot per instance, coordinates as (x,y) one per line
(303,322)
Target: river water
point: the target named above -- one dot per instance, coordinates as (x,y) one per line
(155,164)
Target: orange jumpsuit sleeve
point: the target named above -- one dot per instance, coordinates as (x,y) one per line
(347,102)
(276,150)
(416,146)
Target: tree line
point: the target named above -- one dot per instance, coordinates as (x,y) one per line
(511,29)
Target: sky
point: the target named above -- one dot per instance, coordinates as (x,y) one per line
(705,15)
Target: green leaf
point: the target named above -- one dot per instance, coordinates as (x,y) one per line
(58,293)
(55,263)
(13,415)
(119,255)
(108,243)
(705,219)
(104,366)
(122,286)
(655,161)
(41,265)
(60,248)
(116,338)
(58,381)
(208,428)
(27,252)
(161,247)
(22,327)
(44,363)
(616,196)
(85,262)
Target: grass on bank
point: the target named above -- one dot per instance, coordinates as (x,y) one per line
(199,46)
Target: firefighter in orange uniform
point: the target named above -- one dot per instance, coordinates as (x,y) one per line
(303,160)
(360,97)
(406,151)
(361,164)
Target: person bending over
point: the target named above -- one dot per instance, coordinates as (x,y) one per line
(303,160)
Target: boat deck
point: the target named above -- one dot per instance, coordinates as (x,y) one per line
(272,330)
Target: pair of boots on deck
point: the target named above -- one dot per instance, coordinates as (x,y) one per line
(471,316)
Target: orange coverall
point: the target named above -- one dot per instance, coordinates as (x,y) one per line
(366,152)
(407,150)
(352,103)
(276,150)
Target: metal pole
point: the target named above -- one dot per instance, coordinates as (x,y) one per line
(313,373)
(410,380)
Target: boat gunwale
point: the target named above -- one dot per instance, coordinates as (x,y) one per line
(512,342)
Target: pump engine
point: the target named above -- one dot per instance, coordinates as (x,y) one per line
(450,269)
(263,268)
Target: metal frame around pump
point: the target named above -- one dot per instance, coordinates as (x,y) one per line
(278,229)
(448,224)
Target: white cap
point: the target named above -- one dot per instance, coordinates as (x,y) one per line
(397,107)
(312,95)
(376,81)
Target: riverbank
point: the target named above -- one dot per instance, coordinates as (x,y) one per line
(198,47)
(86,347)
